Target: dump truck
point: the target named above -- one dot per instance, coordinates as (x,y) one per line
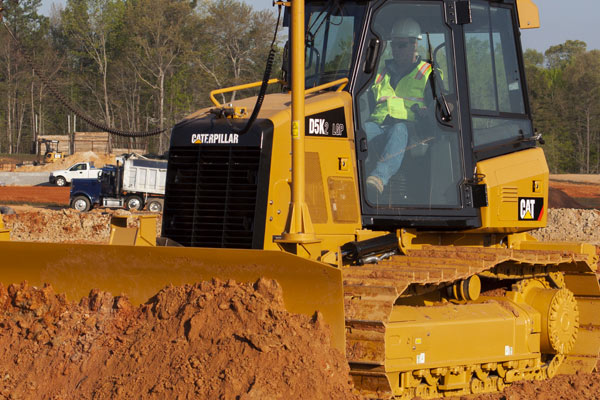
(429,282)
(133,183)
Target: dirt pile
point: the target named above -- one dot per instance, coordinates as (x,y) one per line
(211,340)
(567,224)
(98,159)
(66,225)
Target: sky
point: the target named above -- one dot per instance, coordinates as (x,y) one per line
(561,20)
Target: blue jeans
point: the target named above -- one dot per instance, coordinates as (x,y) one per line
(392,154)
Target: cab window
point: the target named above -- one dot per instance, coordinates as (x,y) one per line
(330,40)
(78,167)
(495,83)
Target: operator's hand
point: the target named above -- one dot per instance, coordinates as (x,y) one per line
(420,112)
(389,120)
(382,99)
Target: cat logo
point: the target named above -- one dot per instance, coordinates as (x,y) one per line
(531,208)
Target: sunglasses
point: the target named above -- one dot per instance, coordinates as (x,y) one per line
(402,44)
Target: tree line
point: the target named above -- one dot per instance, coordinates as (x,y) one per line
(132,65)
(564,92)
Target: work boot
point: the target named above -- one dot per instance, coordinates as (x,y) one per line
(374,187)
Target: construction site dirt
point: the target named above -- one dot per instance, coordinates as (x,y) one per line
(210,340)
(205,340)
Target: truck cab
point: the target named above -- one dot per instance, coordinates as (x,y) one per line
(88,192)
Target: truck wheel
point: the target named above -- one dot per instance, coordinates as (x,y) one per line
(81,203)
(60,181)
(134,203)
(155,206)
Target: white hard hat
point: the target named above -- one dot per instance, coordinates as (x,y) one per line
(406,28)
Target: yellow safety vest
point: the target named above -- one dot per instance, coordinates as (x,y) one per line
(410,90)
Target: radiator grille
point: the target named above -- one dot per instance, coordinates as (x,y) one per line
(211,196)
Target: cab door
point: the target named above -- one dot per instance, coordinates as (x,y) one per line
(432,184)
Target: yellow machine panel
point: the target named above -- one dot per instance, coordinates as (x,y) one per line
(517,191)
(430,336)
(529,15)
(331,187)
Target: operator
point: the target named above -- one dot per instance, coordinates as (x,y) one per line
(399,92)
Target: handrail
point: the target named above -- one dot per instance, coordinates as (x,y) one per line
(238,87)
(341,82)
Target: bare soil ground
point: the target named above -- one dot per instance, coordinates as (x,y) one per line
(577,178)
(583,189)
(209,340)
(51,195)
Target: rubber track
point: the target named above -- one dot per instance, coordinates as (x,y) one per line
(371,290)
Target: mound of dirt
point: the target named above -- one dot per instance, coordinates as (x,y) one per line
(99,161)
(571,225)
(33,224)
(209,341)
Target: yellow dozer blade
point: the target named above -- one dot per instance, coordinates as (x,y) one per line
(140,272)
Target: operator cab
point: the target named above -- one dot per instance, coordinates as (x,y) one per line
(109,180)
(470,112)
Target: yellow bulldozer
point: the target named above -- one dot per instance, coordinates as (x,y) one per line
(425,273)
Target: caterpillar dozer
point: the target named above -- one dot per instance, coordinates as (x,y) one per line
(432,286)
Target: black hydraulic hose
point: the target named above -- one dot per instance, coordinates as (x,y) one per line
(265,82)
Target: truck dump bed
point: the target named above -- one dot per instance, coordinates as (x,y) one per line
(148,176)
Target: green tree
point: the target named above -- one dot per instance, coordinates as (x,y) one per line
(582,91)
(233,52)
(160,37)
(15,77)
(93,28)
(565,102)
(533,58)
(560,55)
